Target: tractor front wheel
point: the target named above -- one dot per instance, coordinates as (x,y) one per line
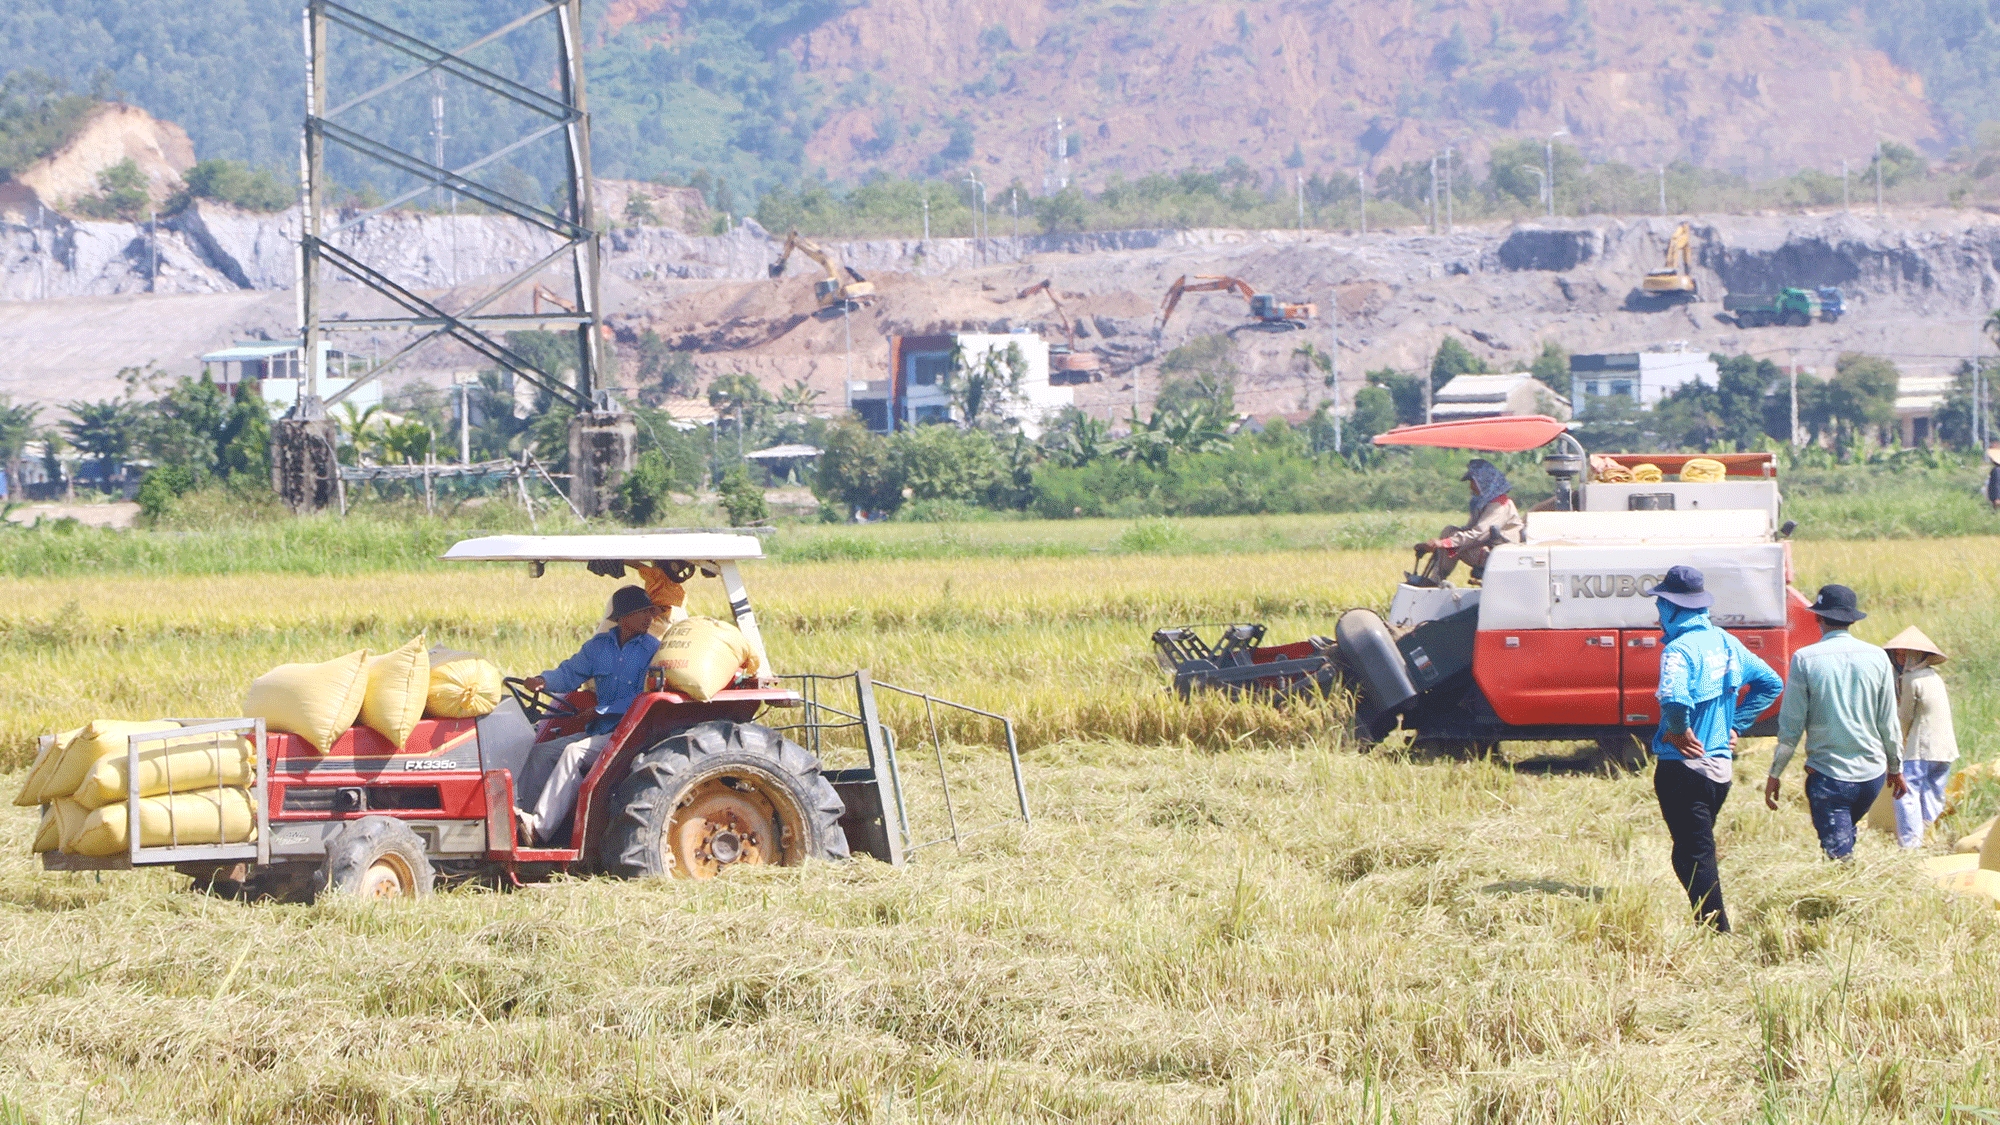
(720,795)
(376,857)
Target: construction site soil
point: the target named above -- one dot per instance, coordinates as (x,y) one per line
(1917,283)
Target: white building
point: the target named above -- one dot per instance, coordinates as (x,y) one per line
(1494,396)
(1643,377)
(274,366)
(915,393)
(1918,397)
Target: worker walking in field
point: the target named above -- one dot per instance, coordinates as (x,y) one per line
(1494,519)
(617,661)
(1702,671)
(1930,746)
(1840,698)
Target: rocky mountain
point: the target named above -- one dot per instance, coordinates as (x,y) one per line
(760,92)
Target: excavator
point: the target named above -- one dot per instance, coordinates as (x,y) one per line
(1269,311)
(833,291)
(1676,281)
(1067,366)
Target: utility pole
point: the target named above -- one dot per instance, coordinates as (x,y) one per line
(926,244)
(1361,187)
(464,423)
(1663,189)
(1014,205)
(1844,206)
(1301,179)
(1333,360)
(1434,196)
(1878,178)
(1549,166)
(1794,367)
(1448,227)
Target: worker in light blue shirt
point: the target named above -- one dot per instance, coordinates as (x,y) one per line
(617,660)
(1703,708)
(1840,699)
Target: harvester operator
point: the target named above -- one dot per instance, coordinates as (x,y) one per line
(1702,670)
(1494,520)
(617,660)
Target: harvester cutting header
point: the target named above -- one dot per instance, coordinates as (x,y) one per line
(1557,641)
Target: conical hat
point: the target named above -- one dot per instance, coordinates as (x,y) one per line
(1993,454)
(1912,639)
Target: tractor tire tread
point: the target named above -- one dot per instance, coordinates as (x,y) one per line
(648,793)
(353,849)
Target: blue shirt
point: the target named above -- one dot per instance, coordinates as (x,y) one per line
(620,672)
(1701,671)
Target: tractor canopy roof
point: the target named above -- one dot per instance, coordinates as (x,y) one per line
(685,546)
(1511,434)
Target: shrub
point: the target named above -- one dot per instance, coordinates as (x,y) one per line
(743,498)
(642,496)
(239,185)
(162,487)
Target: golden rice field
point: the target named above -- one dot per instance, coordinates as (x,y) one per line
(1222,913)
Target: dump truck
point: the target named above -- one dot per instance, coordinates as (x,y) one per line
(685,788)
(1558,641)
(1791,305)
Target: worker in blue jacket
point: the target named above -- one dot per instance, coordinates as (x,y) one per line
(617,661)
(1703,671)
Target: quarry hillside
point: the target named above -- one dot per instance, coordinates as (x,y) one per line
(84,299)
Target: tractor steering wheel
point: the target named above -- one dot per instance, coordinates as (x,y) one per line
(537,705)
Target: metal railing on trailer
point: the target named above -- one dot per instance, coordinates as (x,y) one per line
(877,789)
(221,733)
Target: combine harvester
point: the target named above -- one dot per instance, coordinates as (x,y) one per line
(1559,642)
(686,788)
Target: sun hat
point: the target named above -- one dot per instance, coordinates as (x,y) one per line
(1838,603)
(1913,639)
(1683,586)
(628,599)
(1993,454)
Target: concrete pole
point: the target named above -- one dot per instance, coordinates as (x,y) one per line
(1663,189)
(1794,357)
(1878,177)
(1448,227)
(1434,195)
(465,423)
(1844,205)
(1361,186)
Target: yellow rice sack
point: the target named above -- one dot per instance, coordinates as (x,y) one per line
(102,739)
(1648,473)
(69,820)
(46,756)
(212,816)
(1882,814)
(182,765)
(463,686)
(1972,841)
(1989,852)
(1985,884)
(399,685)
(702,656)
(317,702)
(49,835)
(1940,867)
(1704,470)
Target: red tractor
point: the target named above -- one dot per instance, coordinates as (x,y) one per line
(1558,641)
(686,788)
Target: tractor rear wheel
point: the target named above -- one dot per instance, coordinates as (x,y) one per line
(720,795)
(376,857)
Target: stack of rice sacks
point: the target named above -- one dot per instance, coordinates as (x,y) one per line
(193,789)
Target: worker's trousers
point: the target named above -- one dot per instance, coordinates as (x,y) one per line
(558,796)
(1837,806)
(1924,803)
(1690,801)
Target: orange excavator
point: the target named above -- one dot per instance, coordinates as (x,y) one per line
(1269,311)
(1067,366)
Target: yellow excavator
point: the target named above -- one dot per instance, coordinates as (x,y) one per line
(1067,366)
(1676,281)
(833,291)
(1268,311)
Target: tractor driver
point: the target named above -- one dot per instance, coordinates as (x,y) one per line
(1495,519)
(663,580)
(617,660)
